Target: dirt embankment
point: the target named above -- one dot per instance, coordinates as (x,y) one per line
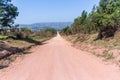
(108,49)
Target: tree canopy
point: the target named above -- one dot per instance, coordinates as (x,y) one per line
(103,18)
(8,13)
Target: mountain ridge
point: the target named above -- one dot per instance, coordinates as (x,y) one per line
(44,25)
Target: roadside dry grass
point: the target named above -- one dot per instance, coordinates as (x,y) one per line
(17,48)
(24,43)
(107,49)
(109,43)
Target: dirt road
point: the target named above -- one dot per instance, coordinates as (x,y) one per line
(57,60)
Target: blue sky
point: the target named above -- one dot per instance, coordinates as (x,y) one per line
(35,11)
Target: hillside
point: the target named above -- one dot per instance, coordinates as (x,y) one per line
(55,25)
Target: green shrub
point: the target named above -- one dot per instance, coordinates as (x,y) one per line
(3,37)
(49,32)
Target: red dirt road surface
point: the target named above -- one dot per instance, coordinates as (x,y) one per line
(57,60)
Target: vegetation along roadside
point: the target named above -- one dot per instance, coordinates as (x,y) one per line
(98,31)
(14,40)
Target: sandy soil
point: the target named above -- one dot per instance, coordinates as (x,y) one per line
(57,60)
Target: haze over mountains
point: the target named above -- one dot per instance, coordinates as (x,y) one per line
(39,26)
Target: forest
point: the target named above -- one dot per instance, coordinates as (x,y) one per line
(103,19)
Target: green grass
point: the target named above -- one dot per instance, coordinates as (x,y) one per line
(3,37)
(109,56)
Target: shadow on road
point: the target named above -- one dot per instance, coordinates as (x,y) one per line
(7,51)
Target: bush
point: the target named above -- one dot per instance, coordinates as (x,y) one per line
(26,32)
(49,32)
(3,37)
(67,31)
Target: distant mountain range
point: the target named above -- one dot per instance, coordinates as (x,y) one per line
(39,26)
